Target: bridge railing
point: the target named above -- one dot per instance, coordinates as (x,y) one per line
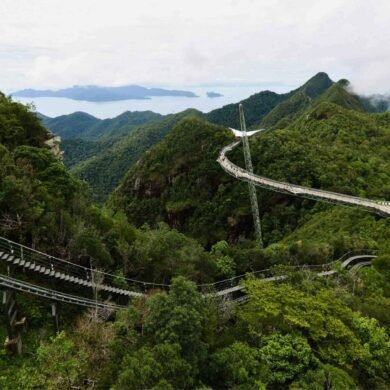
(275,271)
(51,265)
(23,286)
(380,206)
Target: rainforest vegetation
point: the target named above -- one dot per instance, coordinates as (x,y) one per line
(155,206)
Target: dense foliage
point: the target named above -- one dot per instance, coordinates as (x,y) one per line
(77,150)
(296,103)
(306,333)
(87,127)
(257,106)
(193,224)
(18,126)
(179,181)
(113,156)
(328,147)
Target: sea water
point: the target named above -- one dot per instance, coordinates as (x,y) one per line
(53,107)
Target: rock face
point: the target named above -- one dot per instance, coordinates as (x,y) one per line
(53,143)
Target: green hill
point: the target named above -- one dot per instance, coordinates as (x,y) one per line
(85,126)
(112,157)
(85,137)
(301,332)
(267,108)
(72,125)
(326,145)
(297,102)
(339,94)
(180,182)
(329,147)
(91,145)
(256,107)
(101,151)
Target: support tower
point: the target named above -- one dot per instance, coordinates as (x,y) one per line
(249,168)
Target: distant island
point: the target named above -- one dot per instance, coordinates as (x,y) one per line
(211,94)
(93,93)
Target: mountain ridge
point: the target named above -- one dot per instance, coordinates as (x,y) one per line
(105,139)
(105,170)
(87,127)
(308,151)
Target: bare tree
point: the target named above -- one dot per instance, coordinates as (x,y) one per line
(99,313)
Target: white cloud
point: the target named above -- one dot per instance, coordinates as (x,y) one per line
(56,43)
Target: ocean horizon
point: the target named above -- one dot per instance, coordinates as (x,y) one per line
(53,107)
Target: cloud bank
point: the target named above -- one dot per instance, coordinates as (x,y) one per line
(56,43)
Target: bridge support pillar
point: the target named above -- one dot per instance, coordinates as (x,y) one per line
(252,188)
(54,313)
(15,323)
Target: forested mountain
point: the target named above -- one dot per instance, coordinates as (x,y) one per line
(257,106)
(179,181)
(87,127)
(178,218)
(297,102)
(109,140)
(264,107)
(103,141)
(84,137)
(101,151)
(328,146)
(113,156)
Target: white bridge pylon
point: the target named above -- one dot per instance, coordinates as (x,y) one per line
(240,134)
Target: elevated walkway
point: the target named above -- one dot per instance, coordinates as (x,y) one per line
(379,207)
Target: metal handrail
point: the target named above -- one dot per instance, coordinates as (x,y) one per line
(68,268)
(379,206)
(15,284)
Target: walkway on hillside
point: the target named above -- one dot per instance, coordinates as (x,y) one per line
(49,270)
(379,207)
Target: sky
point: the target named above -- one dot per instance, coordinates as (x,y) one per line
(172,43)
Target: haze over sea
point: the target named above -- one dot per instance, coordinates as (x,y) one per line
(53,107)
